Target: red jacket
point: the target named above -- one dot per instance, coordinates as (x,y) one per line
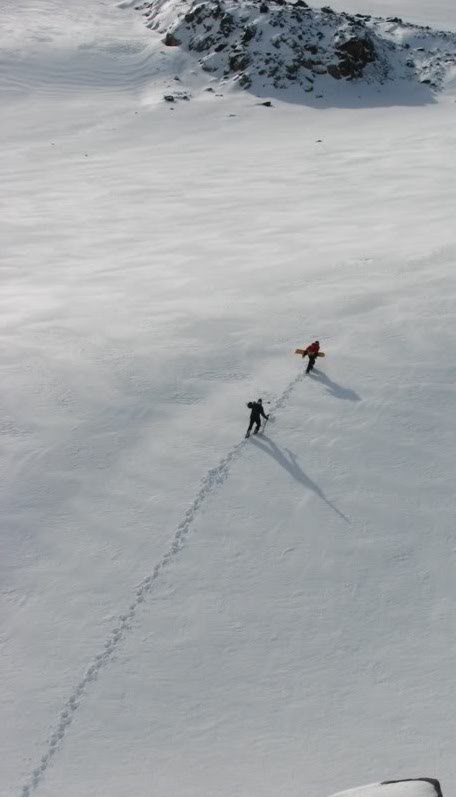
(314,348)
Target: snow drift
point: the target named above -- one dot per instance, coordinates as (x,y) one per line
(414,787)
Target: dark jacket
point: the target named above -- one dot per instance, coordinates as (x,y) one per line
(256,410)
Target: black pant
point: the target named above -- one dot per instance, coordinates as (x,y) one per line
(254,421)
(312,361)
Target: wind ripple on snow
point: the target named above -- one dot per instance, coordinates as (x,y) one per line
(51,70)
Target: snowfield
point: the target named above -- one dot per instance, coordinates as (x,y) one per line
(185,612)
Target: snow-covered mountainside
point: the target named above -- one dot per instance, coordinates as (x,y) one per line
(276,44)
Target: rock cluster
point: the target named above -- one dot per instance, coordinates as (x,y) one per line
(277,44)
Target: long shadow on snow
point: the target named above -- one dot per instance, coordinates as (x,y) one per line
(292,466)
(334,389)
(352,95)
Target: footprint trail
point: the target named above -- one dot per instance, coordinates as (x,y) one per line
(213,479)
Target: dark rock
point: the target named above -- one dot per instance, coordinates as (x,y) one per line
(334,71)
(306,63)
(245,81)
(171,41)
(355,54)
(361,50)
(168,98)
(239,61)
(227,24)
(201,44)
(249,34)
(267,104)
(327,10)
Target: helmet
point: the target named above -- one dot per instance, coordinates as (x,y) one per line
(260,401)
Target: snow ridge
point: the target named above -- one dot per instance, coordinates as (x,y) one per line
(213,479)
(279,44)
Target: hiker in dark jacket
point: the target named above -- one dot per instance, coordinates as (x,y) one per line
(256,413)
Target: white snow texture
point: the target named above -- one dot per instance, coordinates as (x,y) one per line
(185,612)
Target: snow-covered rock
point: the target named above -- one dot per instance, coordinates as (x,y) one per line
(281,44)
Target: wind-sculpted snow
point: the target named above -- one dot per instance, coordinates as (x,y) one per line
(411,787)
(213,479)
(279,45)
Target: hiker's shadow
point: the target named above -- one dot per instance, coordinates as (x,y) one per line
(334,389)
(292,466)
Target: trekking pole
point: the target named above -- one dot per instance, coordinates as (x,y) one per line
(267,419)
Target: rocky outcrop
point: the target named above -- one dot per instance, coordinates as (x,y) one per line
(279,44)
(355,54)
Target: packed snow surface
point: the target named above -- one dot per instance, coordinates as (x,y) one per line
(185,612)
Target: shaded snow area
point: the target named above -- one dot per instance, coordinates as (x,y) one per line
(269,46)
(185,612)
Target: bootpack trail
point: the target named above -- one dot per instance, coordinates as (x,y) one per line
(214,478)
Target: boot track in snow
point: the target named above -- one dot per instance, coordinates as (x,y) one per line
(213,479)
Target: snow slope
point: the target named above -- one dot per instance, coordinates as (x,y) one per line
(184,612)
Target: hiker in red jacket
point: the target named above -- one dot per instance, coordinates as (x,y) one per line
(312,353)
